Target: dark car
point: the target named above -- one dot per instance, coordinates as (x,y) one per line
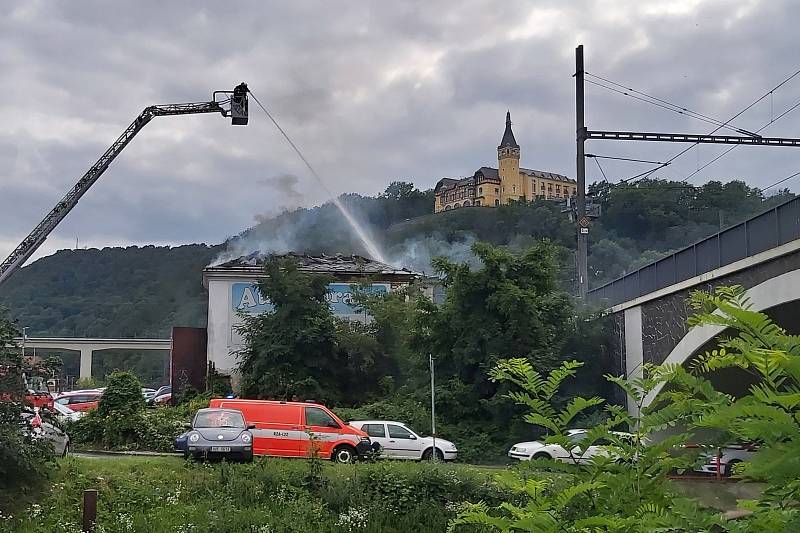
(216,434)
(162,394)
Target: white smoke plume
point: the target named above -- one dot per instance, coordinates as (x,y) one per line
(416,254)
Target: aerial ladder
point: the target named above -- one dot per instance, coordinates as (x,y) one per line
(228,103)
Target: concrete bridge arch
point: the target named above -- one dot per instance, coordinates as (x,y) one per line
(767,295)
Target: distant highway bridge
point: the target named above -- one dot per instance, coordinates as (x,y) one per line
(649,307)
(87,347)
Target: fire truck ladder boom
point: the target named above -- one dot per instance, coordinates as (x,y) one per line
(237,110)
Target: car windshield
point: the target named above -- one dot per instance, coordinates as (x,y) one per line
(219,419)
(577,436)
(62,409)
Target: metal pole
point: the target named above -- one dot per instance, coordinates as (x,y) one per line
(433,410)
(580,136)
(24,338)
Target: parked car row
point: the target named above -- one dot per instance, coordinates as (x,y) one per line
(87,399)
(709,462)
(240,429)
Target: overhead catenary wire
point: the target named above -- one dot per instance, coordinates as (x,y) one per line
(660,102)
(746,108)
(624,159)
(601,169)
(735,146)
(674,109)
(787,178)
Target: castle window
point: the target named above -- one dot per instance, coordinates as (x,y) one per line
(480,190)
(513,188)
(496,190)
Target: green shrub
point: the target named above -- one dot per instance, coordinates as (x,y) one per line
(87,383)
(123,395)
(121,421)
(149,429)
(22,459)
(167,494)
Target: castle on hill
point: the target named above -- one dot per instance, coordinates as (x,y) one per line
(491,187)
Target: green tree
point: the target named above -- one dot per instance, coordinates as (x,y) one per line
(511,304)
(292,349)
(22,459)
(122,396)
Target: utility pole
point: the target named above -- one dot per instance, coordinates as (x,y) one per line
(433,410)
(24,338)
(581,221)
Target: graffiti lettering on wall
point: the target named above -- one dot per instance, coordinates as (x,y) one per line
(246,298)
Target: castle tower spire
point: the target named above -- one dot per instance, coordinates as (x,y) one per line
(508,136)
(512,183)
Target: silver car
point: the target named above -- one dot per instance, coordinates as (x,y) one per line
(219,433)
(41,429)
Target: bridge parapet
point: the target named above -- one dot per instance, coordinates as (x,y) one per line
(770,231)
(87,346)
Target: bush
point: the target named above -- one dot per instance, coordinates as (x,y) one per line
(143,429)
(87,383)
(399,408)
(122,422)
(22,459)
(123,395)
(166,494)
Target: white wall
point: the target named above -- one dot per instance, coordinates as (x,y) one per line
(219,347)
(222,317)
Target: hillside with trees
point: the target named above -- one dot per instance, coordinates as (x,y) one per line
(143,291)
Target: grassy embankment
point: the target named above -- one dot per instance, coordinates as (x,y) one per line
(270,495)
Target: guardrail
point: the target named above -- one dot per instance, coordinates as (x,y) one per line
(763,232)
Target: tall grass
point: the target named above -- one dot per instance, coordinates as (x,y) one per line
(269,495)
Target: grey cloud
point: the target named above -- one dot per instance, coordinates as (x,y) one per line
(370,92)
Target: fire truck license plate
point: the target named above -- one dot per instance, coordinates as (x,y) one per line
(220,448)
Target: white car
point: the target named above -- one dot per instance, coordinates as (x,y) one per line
(525,451)
(65,414)
(401,442)
(730,456)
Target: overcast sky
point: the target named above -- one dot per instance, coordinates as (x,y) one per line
(371,92)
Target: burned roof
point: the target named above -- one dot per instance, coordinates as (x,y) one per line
(327,264)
